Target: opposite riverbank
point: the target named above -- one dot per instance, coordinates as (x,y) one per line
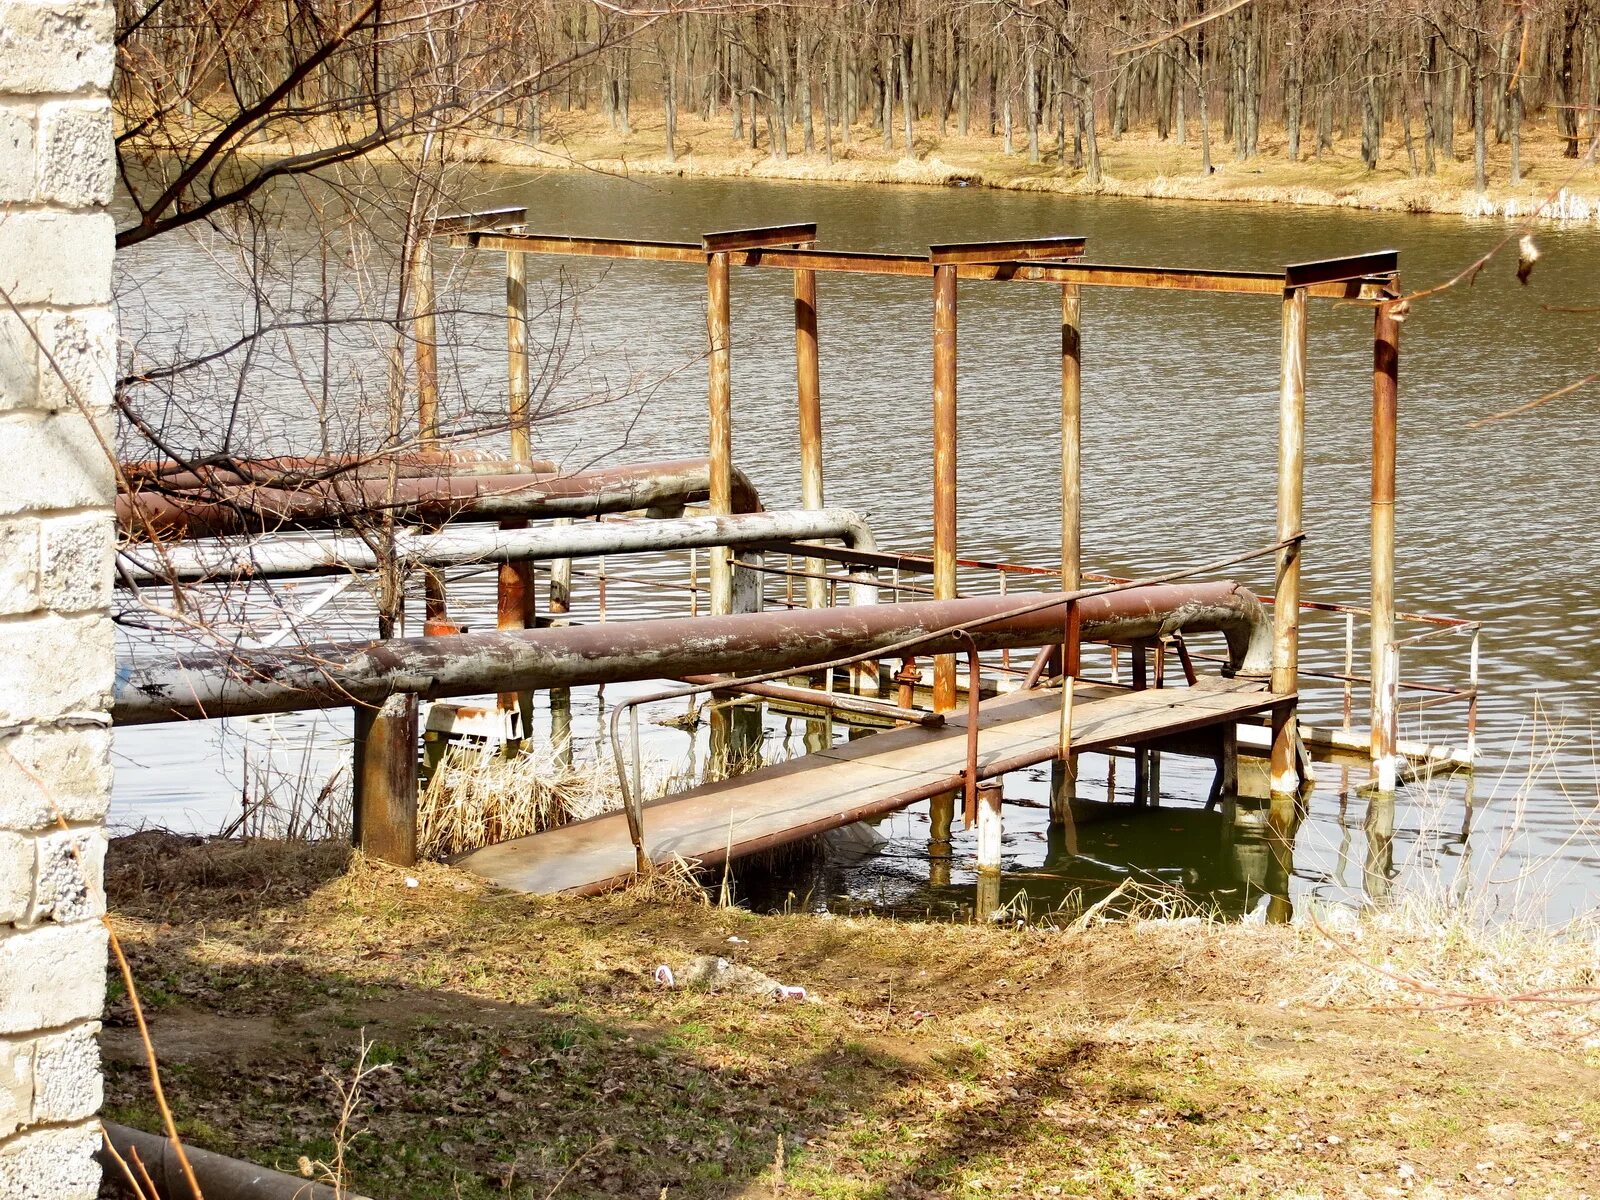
(526,1048)
(1139,165)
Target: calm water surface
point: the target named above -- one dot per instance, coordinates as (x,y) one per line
(1180,395)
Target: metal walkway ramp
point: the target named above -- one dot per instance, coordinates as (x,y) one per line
(862,778)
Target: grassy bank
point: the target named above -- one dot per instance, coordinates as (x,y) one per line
(1137,165)
(521,1047)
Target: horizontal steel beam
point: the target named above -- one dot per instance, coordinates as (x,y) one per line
(493,218)
(191,686)
(1248,283)
(750,239)
(1342,270)
(462,545)
(1012,251)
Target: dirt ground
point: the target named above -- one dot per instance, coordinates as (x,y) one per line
(520,1047)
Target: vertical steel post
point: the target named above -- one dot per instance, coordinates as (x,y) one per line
(720,402)
(1071,521)
(519,374)
(425,336)
(1071,440)
(425,341)
(808,384)
(1385,420)
(944,468)
(1291,495)
(517,598)
(385,790)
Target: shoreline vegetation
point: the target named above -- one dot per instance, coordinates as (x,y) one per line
(1138,165)
(424,1034)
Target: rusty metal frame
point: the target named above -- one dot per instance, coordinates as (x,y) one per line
(1371,276)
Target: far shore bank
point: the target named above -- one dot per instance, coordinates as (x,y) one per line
(1139,165)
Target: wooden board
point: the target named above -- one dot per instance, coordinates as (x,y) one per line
(862,778)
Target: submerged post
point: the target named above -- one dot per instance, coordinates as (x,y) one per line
(1291,492)
(809,386)
(720,401)
(519,381)
(944,468)
(517,602)
(425,341)
(1071,522)
(1071,439)
(1385,420)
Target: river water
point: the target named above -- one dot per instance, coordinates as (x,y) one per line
(1180,395)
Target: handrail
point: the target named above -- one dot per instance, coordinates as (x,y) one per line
(628,773)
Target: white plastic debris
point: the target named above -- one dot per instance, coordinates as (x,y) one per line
(411,882)
(664,976)
(785,992)
(736,940)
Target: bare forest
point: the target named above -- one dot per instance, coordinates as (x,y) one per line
(1434,81)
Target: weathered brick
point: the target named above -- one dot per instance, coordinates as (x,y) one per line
(67,1085)
(19,566)
(16,875)
(46,774)
(66,879)
(51,257)
(19,363)
(55,45)
(76,155)
(53,460)
(18,169)
(50,976)
(75,557)
(79,356)
(54,666)
(16,1084)
(54,1163)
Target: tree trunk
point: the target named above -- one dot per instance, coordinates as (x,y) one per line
(1031,84)
(1091,141)
(669,102)
(907,111)
(1566,94)
(1294,82)
(802,56)
(1480,118)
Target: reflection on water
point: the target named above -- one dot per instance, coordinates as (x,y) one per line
(1180,396)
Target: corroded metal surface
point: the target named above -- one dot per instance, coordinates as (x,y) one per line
(434,499)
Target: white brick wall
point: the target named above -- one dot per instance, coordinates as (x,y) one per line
(57,358)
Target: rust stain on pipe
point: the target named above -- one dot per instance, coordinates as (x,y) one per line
(429,499)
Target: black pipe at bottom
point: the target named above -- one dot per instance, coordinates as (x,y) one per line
(219,1177)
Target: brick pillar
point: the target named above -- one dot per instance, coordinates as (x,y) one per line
(56,651)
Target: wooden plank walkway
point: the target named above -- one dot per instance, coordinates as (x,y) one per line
(862,778)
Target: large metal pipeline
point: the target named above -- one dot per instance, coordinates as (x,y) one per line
(339,502)
(293,470)
(461,545)
(338,674)
(219,1177)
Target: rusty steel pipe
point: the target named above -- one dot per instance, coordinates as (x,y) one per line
(290,470)
(429,500)
(468,545)
(336,674)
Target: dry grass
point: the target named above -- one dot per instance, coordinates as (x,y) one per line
(523,1049)
(479,797)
